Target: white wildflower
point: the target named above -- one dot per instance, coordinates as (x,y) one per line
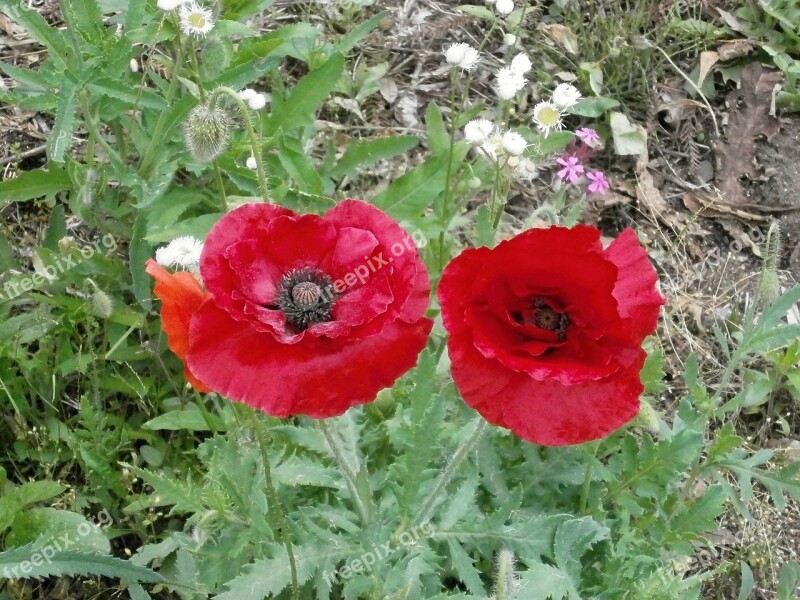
(547,117)
(508,82)
(526,170)
(509,39)
(251,163)
(566,96)
(513,143)
(504,7)
(247,93)
(134,65)
(257,101)
(462,56)
(180,252)
(521,63)
(478,131)
(196,20)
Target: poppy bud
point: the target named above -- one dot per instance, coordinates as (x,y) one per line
(207,132)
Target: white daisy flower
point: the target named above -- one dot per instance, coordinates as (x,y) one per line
(521,63)
(547,117)
(504,7)
(196,20)
(170,4)
(566,96)
(491,148)
(513,143)
(180,252)
(257,101)
(251,163)
(508,82)
(462,56)
(478,131)
(509,39)
(526,170)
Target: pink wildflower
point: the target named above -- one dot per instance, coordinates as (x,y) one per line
(598,184)
(588,136)
(572,170)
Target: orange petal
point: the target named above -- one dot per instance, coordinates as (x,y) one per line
(181,295)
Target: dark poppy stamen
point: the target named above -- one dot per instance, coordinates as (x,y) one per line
(306,296)
(547,318)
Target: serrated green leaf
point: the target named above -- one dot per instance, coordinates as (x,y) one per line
(130,94)
(34,184)
(33,561)
(70,529)
(38,29)
(61,136)
(188,419)
(37,491)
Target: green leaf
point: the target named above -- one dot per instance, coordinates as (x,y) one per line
(130,94)
(37,491)
(543,582)
(464,567)
(72,530)
(438,137)
(138,254)
(788,581)
(61,136)
(410,194)
(187,419)
(629,139)
(32,561)
(349,41)
(364,153)
(299,107)
(34,184)
(594,107)
(748,582)
(268,576)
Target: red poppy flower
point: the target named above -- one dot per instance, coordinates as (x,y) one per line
(305,314)
(546,331)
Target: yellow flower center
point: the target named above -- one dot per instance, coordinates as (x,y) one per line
(197,20)
(548,117)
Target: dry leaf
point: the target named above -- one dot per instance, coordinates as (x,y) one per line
(707,61)
(732,49)
(749,119)
(561,35)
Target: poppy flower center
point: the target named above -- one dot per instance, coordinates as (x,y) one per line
(547,318)
(306,296)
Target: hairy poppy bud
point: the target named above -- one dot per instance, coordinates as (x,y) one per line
(207,132)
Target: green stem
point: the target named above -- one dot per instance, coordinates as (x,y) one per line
(255,145)
(587,480)
(450,470)
(350,477)
(446,198)
(221,186)
(280,515)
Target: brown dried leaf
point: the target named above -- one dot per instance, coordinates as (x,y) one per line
(710,206)
(731,49)
(749,119)
(561,35)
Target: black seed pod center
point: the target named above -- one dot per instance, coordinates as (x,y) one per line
(306,296)
(545,317)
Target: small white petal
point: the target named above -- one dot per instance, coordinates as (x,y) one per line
(257,102)
(251,163)
(478,131)
(513,143)
(181,252)
(504,7)
(508,83)
(462,56)
(521,63)
(566,96)
(247,93)
(509,39)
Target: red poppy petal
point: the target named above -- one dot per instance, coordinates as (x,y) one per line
(249,221)
(544,412)
(319,378)
(410,282)
(181,295)
(636,289)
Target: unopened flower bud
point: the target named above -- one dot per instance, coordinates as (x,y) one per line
(134,65)
(509,39)
(102,305)
(207,132)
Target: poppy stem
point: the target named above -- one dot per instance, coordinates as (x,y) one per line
(280,514)
(350,476)
(255,145)
(587,480)
(466,447)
